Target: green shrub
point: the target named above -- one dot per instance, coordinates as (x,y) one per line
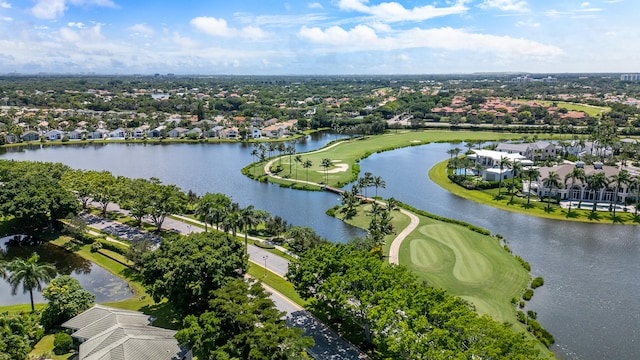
(532,314)
(264,245)
(96,246)
(332,211)
(528,294)
(521,317)
(62,343)
(537,282)
(525,264)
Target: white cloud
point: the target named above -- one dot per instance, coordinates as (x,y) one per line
(362,38)
(5,5)
(380,27)
(528,23)
(184,41)
(315,5)
(505,5)
(395,12)
(83,35)
(585,4)
(219,27)
(53,9)
(79,25)
(141,29)
(6,18)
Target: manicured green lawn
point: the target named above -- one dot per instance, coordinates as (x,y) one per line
(535,208)
(45,347)
(345,155)
(593,111)
(276,282)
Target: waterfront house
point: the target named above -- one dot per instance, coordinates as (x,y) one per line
(177,132)
(539,150)
(97,134)
(118,133)
(54,135)
(490,161)
(196,132)
(77,134)
(230,133)
(10,138)
(30,136)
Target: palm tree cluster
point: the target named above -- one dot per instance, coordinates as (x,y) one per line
(380,225)
(218,209)
(368,180)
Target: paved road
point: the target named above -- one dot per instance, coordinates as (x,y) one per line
(328,344)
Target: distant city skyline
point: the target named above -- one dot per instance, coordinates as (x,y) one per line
(318,37)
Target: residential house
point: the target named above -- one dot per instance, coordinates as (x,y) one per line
(97,134)
(214,132)
(30,136)
(54,135)
(254,133)
(77,134)
(118,133)
(157,132)
(230,133)
(579,190)
(110,333)
(274,131)
(177,132)
(490,161)
(539,150)
(10,138)
(196,133)
(139,132)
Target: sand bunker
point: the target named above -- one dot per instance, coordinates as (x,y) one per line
(338,168)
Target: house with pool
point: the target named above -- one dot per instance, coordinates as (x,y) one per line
(579,190)
(490,160)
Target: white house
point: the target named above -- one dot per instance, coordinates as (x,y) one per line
(118,133)
(54,135)
(490,161)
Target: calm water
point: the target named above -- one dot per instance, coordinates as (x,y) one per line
(105,286)
(590,297)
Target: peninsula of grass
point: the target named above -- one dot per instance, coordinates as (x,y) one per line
(536,207)
(344,156)
(464,262)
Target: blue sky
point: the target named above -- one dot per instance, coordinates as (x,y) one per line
(267,37)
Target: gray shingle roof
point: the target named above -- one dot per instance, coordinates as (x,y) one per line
(114,334)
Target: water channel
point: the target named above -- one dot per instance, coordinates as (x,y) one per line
(590,298)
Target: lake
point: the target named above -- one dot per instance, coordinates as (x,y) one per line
(590,298)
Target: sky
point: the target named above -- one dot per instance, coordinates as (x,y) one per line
(267,37)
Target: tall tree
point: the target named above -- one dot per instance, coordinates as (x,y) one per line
(211,207)
(596,182)
(551,182)
(248,220)
(164,200)
(516,167)
(531,174)
(185,269)
(575,174)
(326,164)
(504,163)
(66,299)
(620,179)
(30,273)
(307,164)
(378,182)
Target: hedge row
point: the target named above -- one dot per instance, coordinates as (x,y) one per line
(444,219)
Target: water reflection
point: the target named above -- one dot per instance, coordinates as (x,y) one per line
(94,279)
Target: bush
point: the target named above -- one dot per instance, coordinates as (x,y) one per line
(528,294)
(521,317)
(264,245)
(96,246)
(62,343)
(332,211)
(525,264)
(537,282)
(532,314)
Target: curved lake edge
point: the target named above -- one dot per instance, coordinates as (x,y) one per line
(438,175)
(267,175)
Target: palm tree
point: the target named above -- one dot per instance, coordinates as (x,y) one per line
(254,155)
(634,183)
(248,220)
(307,164)
(298,160)
(516,166)
(576,174)
(30,273)
(231,218)
(596,181)
(622,178)
(531,173)
(326,164)
(504,162)
(378,183)
(551,181)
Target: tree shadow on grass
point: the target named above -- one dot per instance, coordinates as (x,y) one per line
(572,215)
(617,219)
(550,210)
(166,315)
(594,216)
(527,206)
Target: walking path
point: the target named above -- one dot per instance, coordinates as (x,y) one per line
(328,344)
(394,249)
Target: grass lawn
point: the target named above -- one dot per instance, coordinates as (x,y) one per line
(345,155)
(535,208)
(276,282)
(593,111)
(45,347)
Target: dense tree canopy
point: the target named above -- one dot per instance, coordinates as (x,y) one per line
(400,317)
(185,269)
(18,334)
(66,299)
(241,322)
